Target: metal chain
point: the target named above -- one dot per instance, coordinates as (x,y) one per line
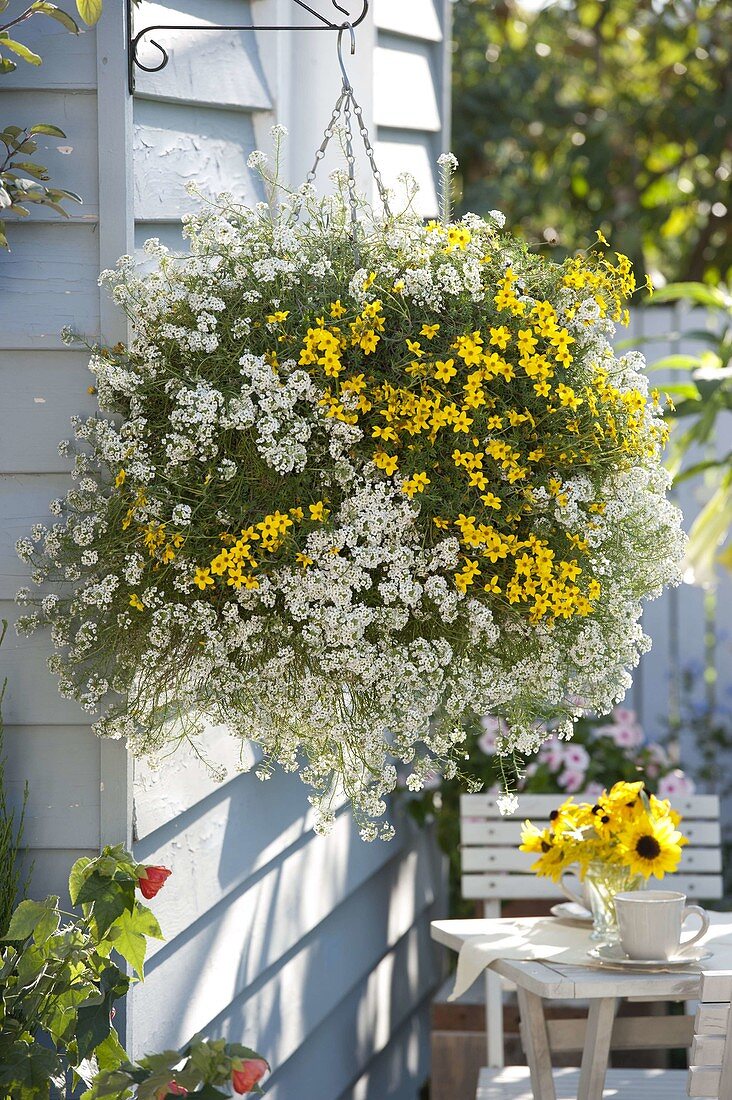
(345,105)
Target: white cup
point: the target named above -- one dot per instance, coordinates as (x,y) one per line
(650,923)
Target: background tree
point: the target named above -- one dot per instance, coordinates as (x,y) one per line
(609,114)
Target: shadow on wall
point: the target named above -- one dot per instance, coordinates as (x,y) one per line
(315,950)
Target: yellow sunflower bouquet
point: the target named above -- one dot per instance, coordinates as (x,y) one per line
(626,828)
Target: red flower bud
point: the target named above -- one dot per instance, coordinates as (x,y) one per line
(171,1089)
(152,880)
(249,1071)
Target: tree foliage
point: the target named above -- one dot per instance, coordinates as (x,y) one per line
(609,114)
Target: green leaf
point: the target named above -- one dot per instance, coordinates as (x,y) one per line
(21,50)
(110,899)
(686,390)
(94,1019)
(54,12)
(129,933)
(77,877)
(44,128)
(89,10)
(699,293)
(25,918)
(110,1054)
(27,1071)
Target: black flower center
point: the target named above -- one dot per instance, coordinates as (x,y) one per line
(545,847)
(648,847)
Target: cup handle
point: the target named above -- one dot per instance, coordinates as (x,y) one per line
(575,897)
(690,911)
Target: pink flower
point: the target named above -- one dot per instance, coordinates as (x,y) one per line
(247,1073)
(627,736)
(675,785)
(489,736)
(593,791)
(571,781)
(552,753)
(431,781)
(576,758)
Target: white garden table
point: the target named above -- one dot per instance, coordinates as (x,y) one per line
(601,986)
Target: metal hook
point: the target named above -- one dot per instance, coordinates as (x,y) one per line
(346,27)
(164,56)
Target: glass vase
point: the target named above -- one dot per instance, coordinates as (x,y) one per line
(602,882)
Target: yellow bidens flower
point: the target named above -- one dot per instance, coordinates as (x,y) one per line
(136,602)
(415,484)
(120,479)
(203,579)
(318,511)
(458,237)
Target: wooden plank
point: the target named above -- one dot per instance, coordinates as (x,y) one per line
(701,834)
(41,391)
(353,1036)
(220,70)
(61,765)
(24,500)
(482,886)
(536,1044)
(387,909)
(71,161)
(704,1081)
(717,986)
(629,1033)
(69,60)
(176,144)
(697,806)
(413,153)
(411,18)
(38,299)
(210,869)
(402,1067)
(693,860)
(408,69)
(31,697)
(712,1019)
(50,872)
(707,1050)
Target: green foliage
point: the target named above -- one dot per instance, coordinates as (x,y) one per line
(11,832)
(59,981)
(704,397)
(22,180)
(610,114)
(200,1068)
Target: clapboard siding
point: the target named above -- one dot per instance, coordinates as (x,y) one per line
(207,68)
(314,950)
(63,770)
(69,61)
(40,393)
(71,161)
(412,127)
(49,280)
(177,144)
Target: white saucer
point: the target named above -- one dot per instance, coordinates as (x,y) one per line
(571,912)
(613,954)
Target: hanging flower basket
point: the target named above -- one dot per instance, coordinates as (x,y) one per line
(341,499)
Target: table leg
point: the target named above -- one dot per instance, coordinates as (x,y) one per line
(536,1045)
(597,1048)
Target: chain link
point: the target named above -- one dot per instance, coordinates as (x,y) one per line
(346,106)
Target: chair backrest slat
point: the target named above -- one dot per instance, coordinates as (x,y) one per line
(493,868)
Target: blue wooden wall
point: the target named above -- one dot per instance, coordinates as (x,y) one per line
(315,951)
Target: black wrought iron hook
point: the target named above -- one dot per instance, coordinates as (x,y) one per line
(323,24)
